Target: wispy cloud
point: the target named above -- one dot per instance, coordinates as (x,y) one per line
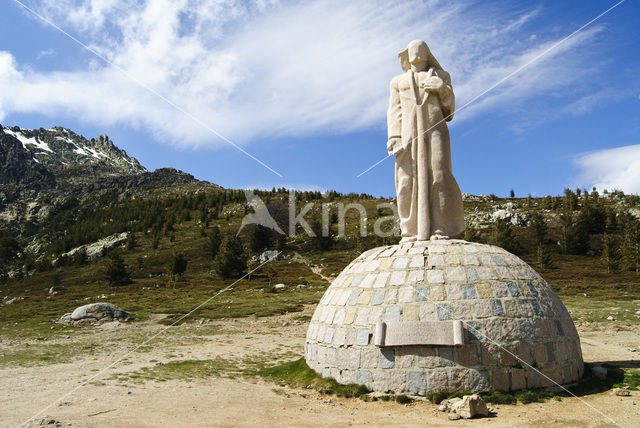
(259,69)
(617,168)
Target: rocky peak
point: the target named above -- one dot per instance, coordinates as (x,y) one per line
(65,153)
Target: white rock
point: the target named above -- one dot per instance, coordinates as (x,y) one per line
(280,286)
(470,406)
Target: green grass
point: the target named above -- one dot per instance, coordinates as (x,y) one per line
(298,374)
(630,379)
(181,370)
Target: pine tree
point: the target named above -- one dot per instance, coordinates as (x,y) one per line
(610,253)
(631,246)
(231,261)
(539,227)
(544,257)
(116,272)
(131,241)
(505,238)
(214,241)
(178,265)
(512,193)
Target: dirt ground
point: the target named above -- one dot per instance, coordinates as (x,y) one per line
(67,393)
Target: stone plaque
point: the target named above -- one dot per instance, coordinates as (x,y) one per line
(419,333)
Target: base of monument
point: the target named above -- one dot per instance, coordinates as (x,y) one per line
(445,314)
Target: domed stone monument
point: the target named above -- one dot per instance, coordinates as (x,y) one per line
(435,313)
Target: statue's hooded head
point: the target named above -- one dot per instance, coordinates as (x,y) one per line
(418,53)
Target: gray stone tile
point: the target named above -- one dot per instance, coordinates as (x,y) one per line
(362,337)
(496,307)
(422,293)
(353,300)
(444,311)
(387,358)
(513,289)
(392,314)
(378,297)
(469,292)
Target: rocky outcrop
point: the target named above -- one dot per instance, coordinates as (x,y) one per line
(98,248)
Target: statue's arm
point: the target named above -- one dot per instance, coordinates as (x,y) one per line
(447,98)
(394,120)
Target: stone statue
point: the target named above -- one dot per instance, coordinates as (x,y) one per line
(421,102)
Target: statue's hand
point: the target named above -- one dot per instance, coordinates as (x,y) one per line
(394,146)
(433,83)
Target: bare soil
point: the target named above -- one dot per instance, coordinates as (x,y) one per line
(83,392)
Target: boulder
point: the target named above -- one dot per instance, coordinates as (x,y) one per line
(280,286)
(268,255)
(95,313)
(470,406)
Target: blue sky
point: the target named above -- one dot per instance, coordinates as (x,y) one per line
(303,86)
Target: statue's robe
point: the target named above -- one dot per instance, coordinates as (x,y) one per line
(428,196)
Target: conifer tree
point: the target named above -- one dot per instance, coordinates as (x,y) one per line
(116,272)
(231,261)
(178,265)
(610,253)
(631,246)
(539,227)
(505,238)
(214,241)
(544,256)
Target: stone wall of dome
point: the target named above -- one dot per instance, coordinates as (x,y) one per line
(517,332)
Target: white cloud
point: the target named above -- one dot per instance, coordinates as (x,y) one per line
(617,168)
(267,69)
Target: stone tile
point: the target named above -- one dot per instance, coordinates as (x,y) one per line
(435,260)
(510,308)
(470,248)
(484,290)
(435,276)
(513,289)
(417,262)
(362,317)
(415,277)
(347,377)
(410,313)
(328,336)
(365,297)
(376,315)
(353,299)
(499,260)
(387,358)
(503,272)
(362,337)
(378,297)
(496,307)
(436,248)
(380,380)
(416,250)
(405,357)
(524,308)
(451,259)
(398,277)
(331,311)
(422,293)
(385,264)
(340,336)
(438,380)
(427,312)
(454,291)
(467,355)
(397,381)
(524,351)
(502,330)
(392,296)
(479,380)
(350,316)
(480,309)
(338,319)
(489,355)
(368,280)
(532,289)
(356,281)
(459,379)
(470,260)
(444,311)
(405,294)
(500,289)
(320,331)
(369,358)
(388,252)
(526,329)
(372,265)
(518,379)
(540,354)
(456,274)
(400,263)
(551,355)
(344,296)
(437,293)
(351,336)
(536,308)
(314,351)
(417,382)
(381,280)
(392,314)
(485,273)
(473,331)
(363,377)
(500,380)
(469,292)
(426,357)
(471,273)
